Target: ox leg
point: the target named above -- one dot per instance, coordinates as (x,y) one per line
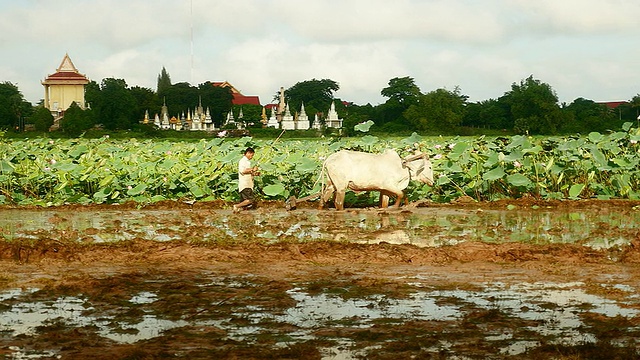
(327,192)
(339,202)
(384,200)
(326,195)
(385,196)
(399,197)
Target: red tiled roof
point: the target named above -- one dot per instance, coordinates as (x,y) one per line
(612,104)
(66,75)
(239,99)
(225,84)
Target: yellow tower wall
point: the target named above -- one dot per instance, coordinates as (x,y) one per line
(61,96)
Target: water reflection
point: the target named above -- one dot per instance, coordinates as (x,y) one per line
(425,227)
(554,312)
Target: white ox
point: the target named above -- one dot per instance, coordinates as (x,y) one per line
(360,171)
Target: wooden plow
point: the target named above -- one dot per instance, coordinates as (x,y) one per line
(292,201)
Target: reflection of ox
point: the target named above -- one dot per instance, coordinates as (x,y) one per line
(386,172)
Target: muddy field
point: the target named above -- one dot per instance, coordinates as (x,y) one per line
(517,279)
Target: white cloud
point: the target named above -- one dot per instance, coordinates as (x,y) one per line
(442,20)
(582,48)
(581,16)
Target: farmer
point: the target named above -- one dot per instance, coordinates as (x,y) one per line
(245,180)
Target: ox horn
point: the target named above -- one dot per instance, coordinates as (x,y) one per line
(414,157)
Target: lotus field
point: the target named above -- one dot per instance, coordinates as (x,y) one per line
(48,172)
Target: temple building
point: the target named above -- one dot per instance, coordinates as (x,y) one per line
(287,122)
(332,120)
(196,120)
(273,121)
(302,121)
(238,97)
(281,117)
(64,87)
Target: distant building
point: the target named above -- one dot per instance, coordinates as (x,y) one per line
(238,97)
(282,118)
(287,122)
(273,120)
(64,87)
(302,122)
(198,119)
(332,120)
(612,104)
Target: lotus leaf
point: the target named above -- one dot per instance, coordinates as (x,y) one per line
(6,167)
(494,174)
(413,139)
(137,190)
(364,126)
(518,180)
(274,190)
(369,140)
(575,190)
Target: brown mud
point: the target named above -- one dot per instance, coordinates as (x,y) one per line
(226,293)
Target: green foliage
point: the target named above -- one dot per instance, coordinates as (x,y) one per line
(534,105)
(363,126)
(585,115)
(488,114)
(116,105)
(164,82)
(42,119)
(402,90)
(216,99)
(76,121)
(401,93)
(438,111)
(315,94)
(251,114)
(13,107)
(106,170)
(145,99)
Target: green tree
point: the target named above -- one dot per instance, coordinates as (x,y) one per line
(534,106)
(251,114)
(401,93)
(353,115)
(402,90)
(315,94)
(145,100)
(217,99)
(116,106)
(164,82)
(13,107)
(76,120)
(487,114)
(438,111)
(180,98)
(42,119)
(586,115)
(635,105)
(92,95)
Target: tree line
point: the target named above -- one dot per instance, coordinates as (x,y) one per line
(529,107)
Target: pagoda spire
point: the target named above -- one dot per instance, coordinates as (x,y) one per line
(66,65)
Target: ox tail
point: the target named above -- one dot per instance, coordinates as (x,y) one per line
(323,182)
(320,179)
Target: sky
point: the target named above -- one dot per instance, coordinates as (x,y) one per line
(582,48)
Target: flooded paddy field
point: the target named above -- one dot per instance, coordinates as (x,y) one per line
(521,280)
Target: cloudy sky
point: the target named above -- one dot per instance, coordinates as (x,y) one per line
(582,48)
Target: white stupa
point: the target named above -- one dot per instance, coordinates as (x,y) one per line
(303,120)
(332,119)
